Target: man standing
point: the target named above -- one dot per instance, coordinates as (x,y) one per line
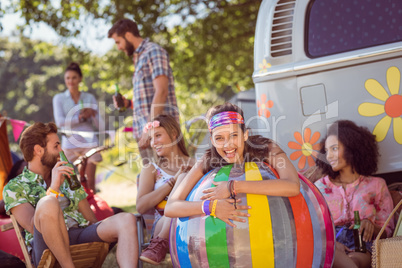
(153,83)
(53,215)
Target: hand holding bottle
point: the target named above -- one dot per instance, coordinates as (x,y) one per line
(120,103)
(367,229)
(59,173)
(72,177)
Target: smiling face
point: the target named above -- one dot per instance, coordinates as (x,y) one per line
(229,141)
(334,153)
(161,141)
(52,150)
(72,79)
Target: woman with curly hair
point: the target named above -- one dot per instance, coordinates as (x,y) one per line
(349,156)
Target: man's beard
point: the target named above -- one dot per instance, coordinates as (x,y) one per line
(48,160)
(129,48)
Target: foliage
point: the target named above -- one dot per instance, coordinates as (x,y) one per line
(211,44)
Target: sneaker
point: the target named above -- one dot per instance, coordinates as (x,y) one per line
(156,251)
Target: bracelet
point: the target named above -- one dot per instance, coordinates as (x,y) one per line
(202,206)
(214,208)
(205,207)
(50,191)
(171,182)
(234,190)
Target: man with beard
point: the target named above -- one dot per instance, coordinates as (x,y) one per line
(53,215)
(153,84)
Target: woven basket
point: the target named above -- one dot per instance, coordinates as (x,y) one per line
(387,253)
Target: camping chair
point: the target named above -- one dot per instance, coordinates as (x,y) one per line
(144,229)
(84,255)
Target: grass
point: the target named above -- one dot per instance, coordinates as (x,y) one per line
(118,187)
(111,261)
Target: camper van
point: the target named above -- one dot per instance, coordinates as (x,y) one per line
(318,61)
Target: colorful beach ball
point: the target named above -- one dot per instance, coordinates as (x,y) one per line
(280,232)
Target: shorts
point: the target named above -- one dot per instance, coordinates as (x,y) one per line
(76,236)
(344,235)
(74,153)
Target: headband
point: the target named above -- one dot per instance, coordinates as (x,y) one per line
(225,118)
(150,125)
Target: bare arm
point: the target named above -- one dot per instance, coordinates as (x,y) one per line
(24,214)
(147,197)
(86,211)
(161,86)
(176,205)
(288,185)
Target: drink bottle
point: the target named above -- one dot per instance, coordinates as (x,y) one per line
(72,180)
(82,110)
(360,245)
(119,99)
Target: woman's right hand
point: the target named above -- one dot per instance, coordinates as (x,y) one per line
(226,211)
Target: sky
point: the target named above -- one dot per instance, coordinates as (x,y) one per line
(95,38)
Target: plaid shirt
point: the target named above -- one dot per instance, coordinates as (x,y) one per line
(150,61)
(30,188)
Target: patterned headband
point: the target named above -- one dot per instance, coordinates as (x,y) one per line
(225,118)
(150,125)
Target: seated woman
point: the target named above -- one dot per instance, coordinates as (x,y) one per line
(157,180)
(231,143)
(349,158)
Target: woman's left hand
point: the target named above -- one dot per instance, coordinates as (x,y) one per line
(221,191)
(368,227)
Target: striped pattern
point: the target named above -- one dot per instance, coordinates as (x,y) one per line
(281,232)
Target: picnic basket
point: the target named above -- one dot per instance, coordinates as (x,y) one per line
(387,252)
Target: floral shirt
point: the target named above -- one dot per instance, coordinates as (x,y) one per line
(30,188)
(368,195)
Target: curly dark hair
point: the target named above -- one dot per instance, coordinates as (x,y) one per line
(256,147)
(360,148)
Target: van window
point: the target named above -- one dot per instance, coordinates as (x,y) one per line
(335,26)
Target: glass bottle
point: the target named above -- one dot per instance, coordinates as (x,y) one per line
(360,245)
(119,99)
(72,180)
(82,110)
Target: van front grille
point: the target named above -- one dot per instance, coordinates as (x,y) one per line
(281,37)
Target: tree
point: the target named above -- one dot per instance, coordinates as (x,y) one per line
(211,45)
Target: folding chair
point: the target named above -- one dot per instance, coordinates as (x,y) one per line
(84,255)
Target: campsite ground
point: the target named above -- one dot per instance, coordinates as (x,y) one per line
(121,191)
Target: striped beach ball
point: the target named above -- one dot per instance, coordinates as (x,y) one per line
(280,232)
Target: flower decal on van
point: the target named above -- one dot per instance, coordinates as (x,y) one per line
(263,106)
(264,66)
(306,148)
(392,107)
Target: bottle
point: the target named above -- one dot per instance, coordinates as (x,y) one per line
(72,180)
(360,245)
(82,110)
(119,99)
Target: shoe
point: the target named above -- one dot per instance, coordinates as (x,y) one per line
(156,251)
